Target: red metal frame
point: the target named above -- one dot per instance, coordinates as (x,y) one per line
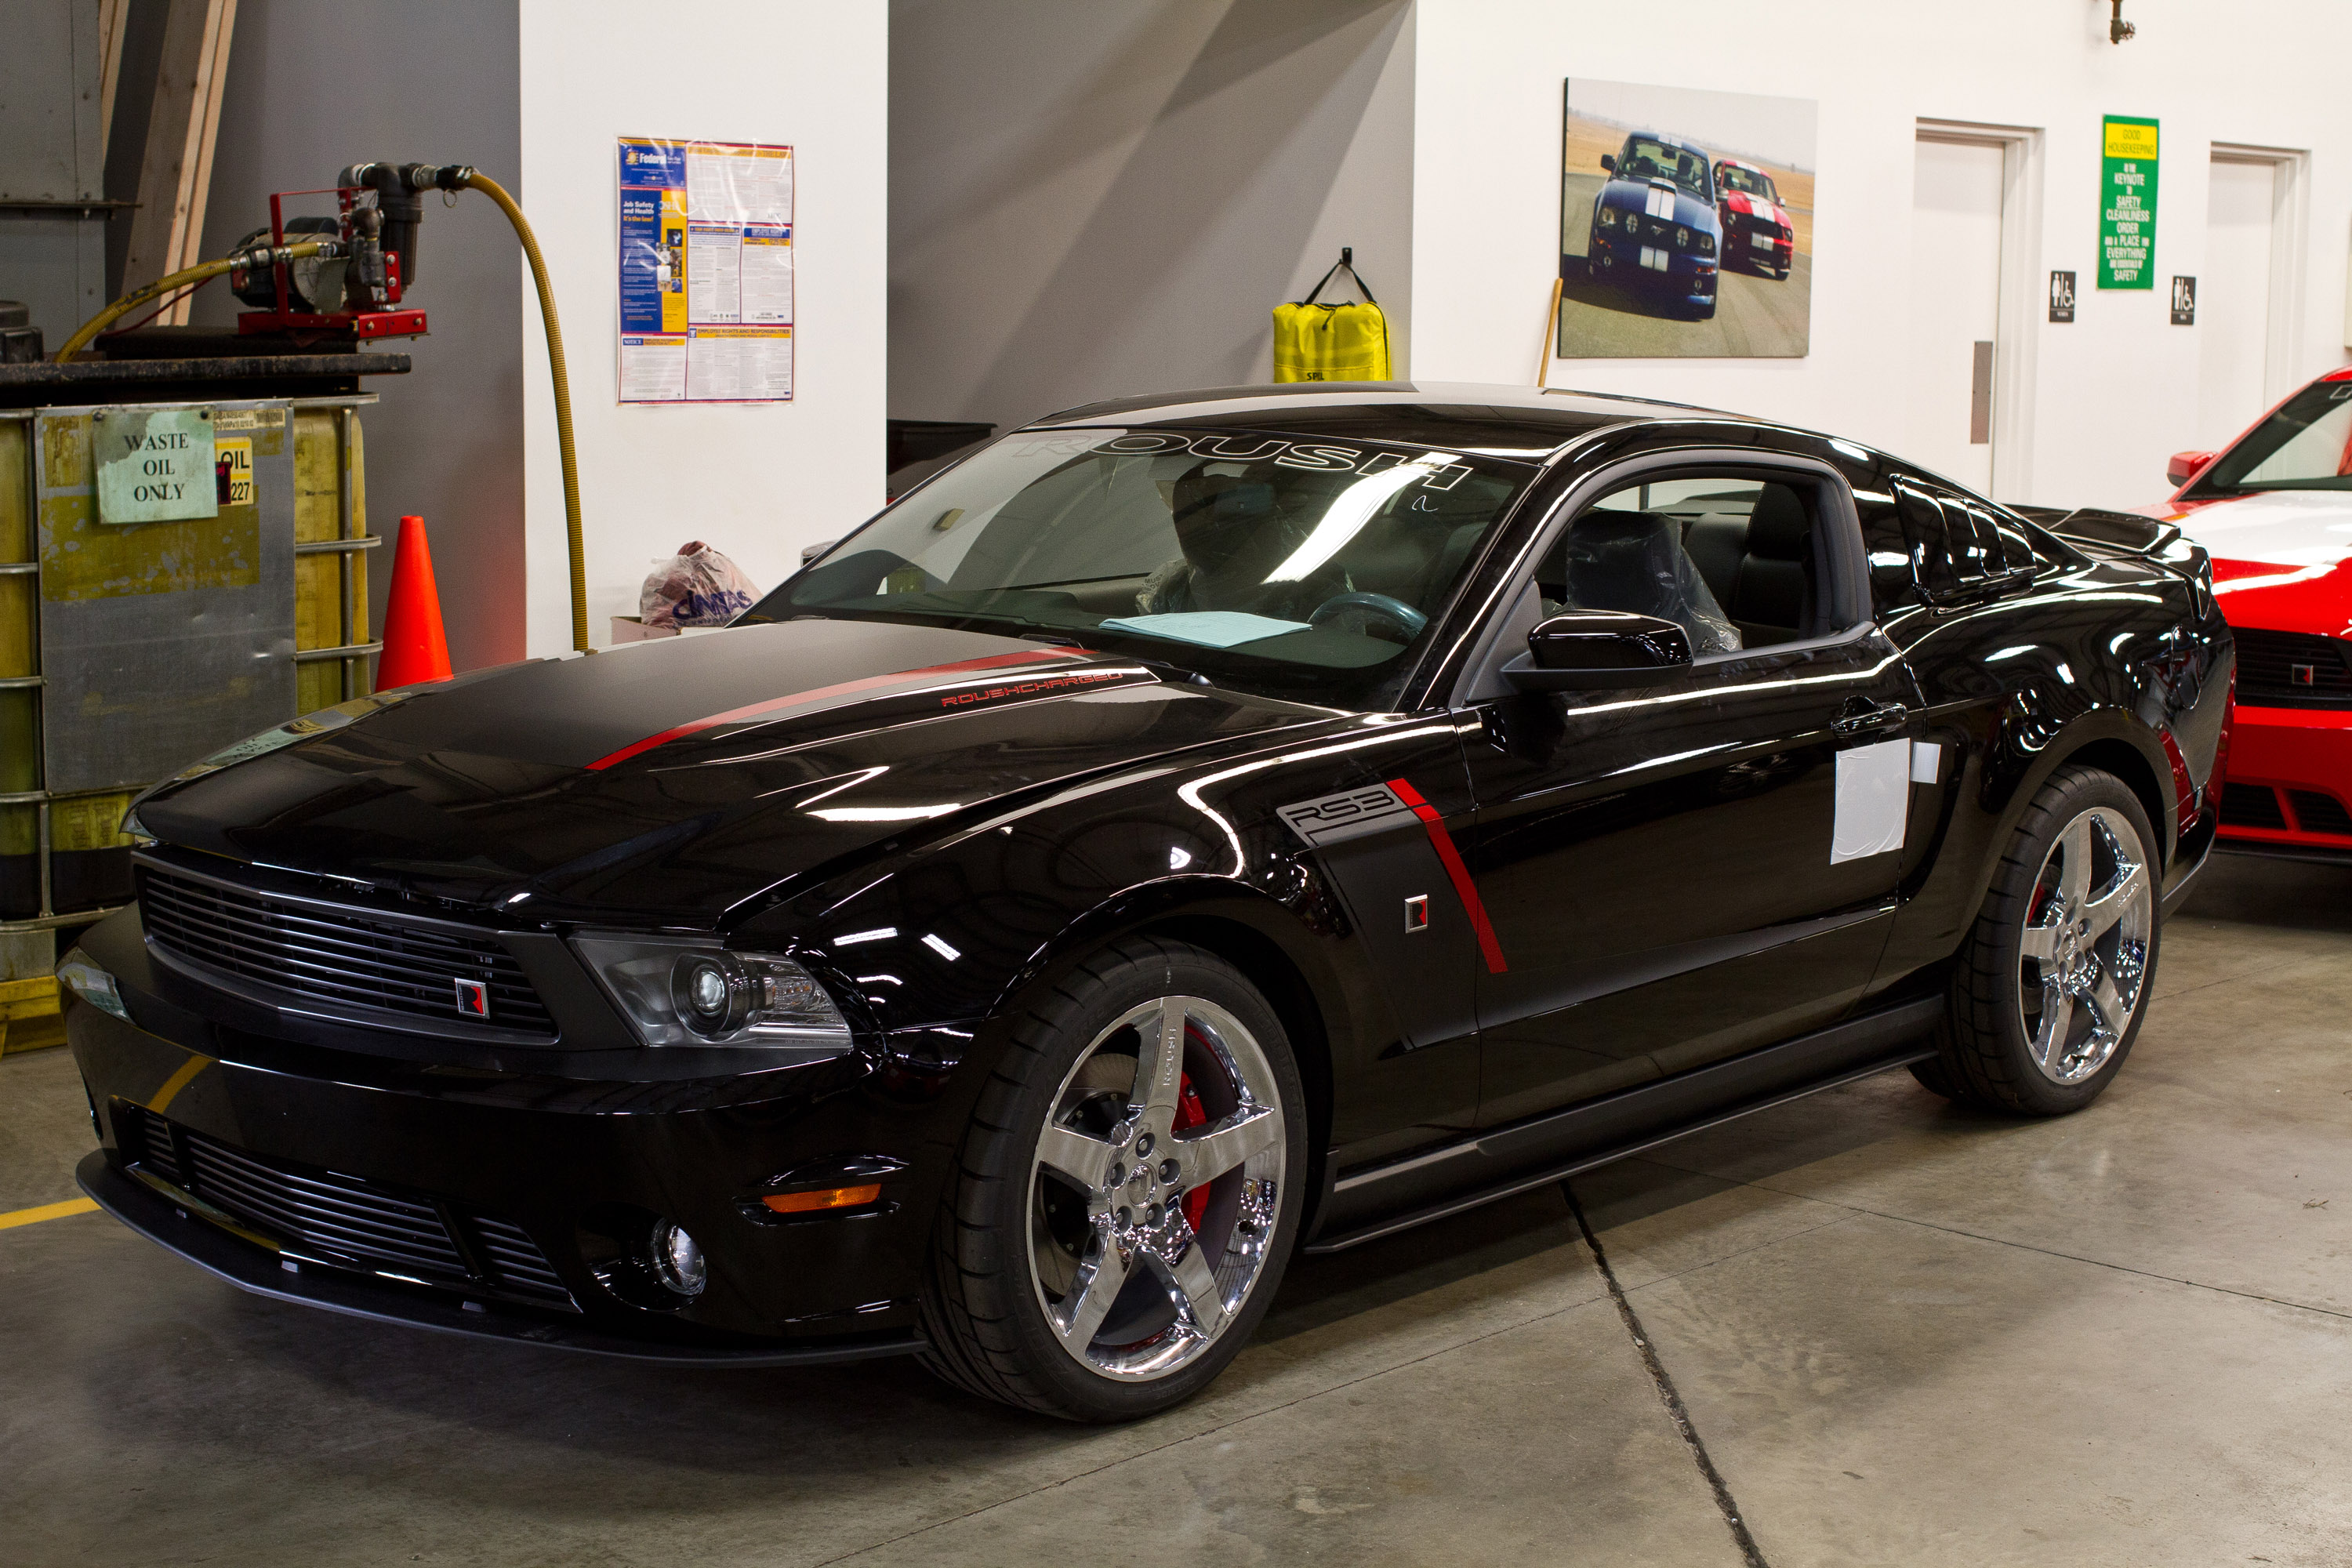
(356,323)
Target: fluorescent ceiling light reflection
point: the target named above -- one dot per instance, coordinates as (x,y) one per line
(1347,513)
(880,933)
(884,813)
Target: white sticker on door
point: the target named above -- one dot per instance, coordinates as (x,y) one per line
(1874,798)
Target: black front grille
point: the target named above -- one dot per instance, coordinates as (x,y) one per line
(338,957)
(344,1219)
(2299,668)
(2251,805)
(2317,813)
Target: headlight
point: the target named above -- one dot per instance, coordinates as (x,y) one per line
(1609,217)
(691,994)
(1707,245)
(1682,237)
(91,984)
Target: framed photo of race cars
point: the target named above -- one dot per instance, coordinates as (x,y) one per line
(1687,223)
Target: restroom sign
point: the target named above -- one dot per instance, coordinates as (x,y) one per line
(154,465)
(2126,203)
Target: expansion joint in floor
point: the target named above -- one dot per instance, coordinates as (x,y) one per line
(1668,1396)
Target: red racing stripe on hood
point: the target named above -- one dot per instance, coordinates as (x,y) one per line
(819,694)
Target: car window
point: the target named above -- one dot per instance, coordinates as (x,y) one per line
(1732,559)
(1304,568)
(1735,178)
(2306,446)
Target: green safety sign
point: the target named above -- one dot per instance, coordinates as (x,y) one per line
(2127,202)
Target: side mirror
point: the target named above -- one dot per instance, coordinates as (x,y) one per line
(1584,649)
(1609,161)
(810,552)
(2186,466)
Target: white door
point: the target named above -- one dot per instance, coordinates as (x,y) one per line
(1956,208)
(2233,301)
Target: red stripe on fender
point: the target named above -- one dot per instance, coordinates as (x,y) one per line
(1463,888)
(818,694)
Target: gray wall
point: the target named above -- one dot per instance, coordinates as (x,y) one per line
(313,88)
(1093,200)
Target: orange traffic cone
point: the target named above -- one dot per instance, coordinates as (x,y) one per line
(414,648)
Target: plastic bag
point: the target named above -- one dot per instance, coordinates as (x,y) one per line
(696,587)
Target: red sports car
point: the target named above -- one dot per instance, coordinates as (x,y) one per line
(1756,228)
(2275,508)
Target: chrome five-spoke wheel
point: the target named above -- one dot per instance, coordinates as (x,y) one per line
(1155,1185)
(2083,953)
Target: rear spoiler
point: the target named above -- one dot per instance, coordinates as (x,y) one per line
(2107,530)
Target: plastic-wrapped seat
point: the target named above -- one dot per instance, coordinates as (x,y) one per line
(1634,560)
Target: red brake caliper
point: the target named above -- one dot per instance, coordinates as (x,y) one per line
(1190,1114)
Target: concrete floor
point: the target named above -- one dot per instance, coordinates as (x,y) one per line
(1905,1334)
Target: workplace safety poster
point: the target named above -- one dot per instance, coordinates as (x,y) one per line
(706,272)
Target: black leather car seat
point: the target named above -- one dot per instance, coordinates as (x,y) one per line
(1761,567)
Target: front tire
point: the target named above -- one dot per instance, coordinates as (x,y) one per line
(1128,1193)
(2050,987)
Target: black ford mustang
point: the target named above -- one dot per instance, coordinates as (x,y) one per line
(1186,831)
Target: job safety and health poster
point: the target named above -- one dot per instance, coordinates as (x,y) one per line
(706,272)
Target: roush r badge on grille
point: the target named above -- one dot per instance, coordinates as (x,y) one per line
(473,998)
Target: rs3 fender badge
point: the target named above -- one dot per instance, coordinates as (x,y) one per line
(1334,818)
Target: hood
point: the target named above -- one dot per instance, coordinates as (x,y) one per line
(673,780)
(1755,206)
(1662,199)
(2282,559)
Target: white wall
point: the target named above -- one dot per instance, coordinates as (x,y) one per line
(759,480)
(1109,198)
(2110,394)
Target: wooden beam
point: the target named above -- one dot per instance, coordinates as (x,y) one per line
(112,17)
(167,230)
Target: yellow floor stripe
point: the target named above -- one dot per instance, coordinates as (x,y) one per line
(47,1211)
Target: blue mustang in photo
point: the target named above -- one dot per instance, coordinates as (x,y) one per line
(1655,227)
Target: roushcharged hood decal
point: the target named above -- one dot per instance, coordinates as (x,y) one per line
(681,777)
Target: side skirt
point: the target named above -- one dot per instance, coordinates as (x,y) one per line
(1506,1161)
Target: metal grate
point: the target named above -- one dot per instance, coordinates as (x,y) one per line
(2317,813)
(2298,668)
(344,1218)
(2251,805)
(338,956)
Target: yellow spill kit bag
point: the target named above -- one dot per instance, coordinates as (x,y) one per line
(1331,342)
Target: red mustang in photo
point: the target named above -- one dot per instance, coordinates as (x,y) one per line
(2275,508)
(1756,228)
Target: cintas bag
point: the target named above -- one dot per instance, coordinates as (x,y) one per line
(1332,342)
(696,587)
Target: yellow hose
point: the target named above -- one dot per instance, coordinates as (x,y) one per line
(180,280)
(497,193)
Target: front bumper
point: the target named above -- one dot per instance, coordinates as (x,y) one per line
(154,1215)
(2290,777)
(1652,266)
(575,1156)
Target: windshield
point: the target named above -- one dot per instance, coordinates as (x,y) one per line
(1644,159)
(1305,569)
(2306,446)
(1750,181)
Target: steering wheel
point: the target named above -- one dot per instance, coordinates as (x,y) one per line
(1407,619)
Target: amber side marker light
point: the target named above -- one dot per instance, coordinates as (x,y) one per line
(825,1198)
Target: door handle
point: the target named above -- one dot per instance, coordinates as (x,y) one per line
(1883,716)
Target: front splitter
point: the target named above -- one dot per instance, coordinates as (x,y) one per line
(248,1267)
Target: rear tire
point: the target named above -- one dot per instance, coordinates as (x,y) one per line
(1129,1192)
(2050,987)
